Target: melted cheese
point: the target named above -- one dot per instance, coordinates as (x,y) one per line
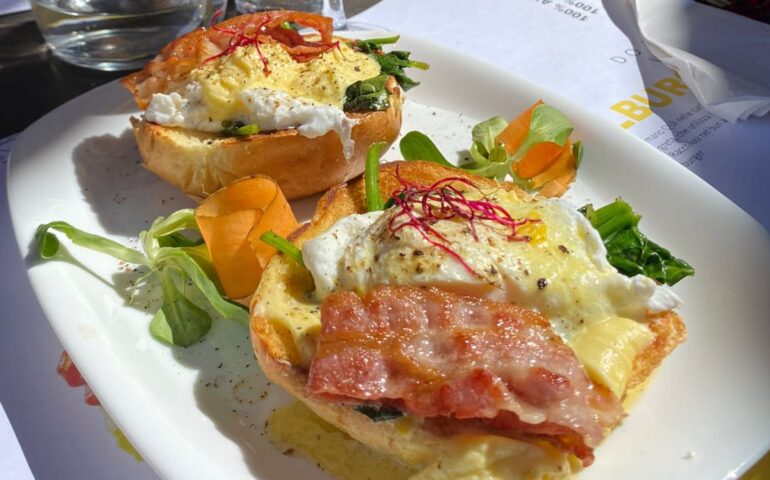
(607,350)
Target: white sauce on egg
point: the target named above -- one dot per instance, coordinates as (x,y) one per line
(270,109)
(322,254)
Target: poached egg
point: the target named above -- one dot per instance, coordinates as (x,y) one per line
(561,271)
(307,96)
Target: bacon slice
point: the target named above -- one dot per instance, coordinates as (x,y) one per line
(464,363)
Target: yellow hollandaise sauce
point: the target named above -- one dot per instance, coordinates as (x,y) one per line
(294,428)
(321,81)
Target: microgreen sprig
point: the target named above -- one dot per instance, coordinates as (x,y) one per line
(182,266)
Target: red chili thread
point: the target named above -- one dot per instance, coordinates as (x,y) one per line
(240,39)
(215,18)
(444,201)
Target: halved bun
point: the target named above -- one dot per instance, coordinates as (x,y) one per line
(199,163)
(284,281)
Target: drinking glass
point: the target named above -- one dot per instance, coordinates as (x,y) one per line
(330,8)
(117,34)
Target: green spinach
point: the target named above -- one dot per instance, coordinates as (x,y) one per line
(629,250)
(367,95)
(373,45)
(378,413)
(394,63)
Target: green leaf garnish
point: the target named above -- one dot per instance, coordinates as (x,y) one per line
(391,63)
(379,414)
(181,264)
(367,95)
(577,152)
(485,133)
(282,245)
(497,165)
(394,63)
(238,129)
(372,45)
(179,321)
(417,146)
(193,274)
(629,250)
(372,177)
(491,160)
(48,244)
(547,125)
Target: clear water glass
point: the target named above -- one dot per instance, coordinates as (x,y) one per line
(330,8)
(117,34)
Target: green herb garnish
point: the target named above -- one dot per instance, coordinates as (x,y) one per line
(238,128)
(181,264)
(483,139)
(629,250)
(394,63)
(370,95)
(490,158)
(282,245)
(372,177)
(417,146)
(493,161)
(372,45)
(367,95)
(379,414)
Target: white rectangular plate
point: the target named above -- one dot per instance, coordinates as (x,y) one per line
(199,412)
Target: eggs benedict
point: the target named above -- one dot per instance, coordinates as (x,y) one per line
(466,314)
(251,95)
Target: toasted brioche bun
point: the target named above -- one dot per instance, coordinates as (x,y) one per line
(199,163)
(283,278)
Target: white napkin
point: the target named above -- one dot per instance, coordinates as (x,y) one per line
(724,58)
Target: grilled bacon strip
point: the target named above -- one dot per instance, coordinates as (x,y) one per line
(463,363)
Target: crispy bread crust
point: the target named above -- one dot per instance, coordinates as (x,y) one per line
(199,163)
(279,360)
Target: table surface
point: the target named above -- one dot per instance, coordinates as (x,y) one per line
(32,83)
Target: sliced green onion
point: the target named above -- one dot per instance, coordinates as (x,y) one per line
(372,177)
(282,245)
(239,129)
